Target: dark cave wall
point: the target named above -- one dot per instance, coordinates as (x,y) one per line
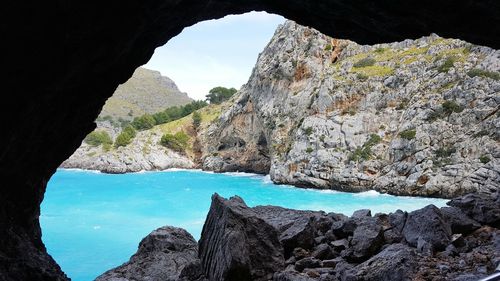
(62,59)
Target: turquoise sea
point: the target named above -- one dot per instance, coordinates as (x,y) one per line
(92,222)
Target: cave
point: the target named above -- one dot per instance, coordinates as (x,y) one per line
(63,59)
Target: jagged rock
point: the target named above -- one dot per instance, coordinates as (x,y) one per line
(459,222)
(344,228)
(296,228)
(392,225)
(308,262)
(362,213)
(425,247)
(168,253)
(339,245)
(480,207)
(367,239)
(322,252)
(427,224)
(396,262)
(236,244)
(388,126)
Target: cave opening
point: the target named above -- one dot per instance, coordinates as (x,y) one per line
(84,52)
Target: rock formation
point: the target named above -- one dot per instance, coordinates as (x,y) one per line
(168,253)
(417,117)
(236,244)
(144,154)
(63,60)
(274,243)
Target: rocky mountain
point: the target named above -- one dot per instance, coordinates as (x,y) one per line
(145,92)
(417,117)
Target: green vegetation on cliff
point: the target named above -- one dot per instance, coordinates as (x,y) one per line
(177,142)
(125,137)
(218,95)
(98,137)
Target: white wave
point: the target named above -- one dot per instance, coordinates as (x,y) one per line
(328,191)
(267,179)
(243,174)
(77,170)
(369,193)
(169,170)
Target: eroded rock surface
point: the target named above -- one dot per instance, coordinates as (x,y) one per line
(236,244)
(168,253)
(417,117)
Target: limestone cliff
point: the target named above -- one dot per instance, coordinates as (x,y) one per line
(417,117)
(147,91)
(145,151)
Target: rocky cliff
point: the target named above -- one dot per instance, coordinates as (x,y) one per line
(145,153)
(417,117)
(147,91)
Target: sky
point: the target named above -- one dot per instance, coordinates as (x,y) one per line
(215,53)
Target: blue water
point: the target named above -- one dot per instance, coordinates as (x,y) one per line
(92,222)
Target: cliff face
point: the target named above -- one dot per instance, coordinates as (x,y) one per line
(417,117)
(145,92)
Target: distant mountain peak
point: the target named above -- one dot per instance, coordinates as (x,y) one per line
(147,91)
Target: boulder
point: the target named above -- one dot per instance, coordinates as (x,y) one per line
(362,213)
(396,222)
(344,227)
(340,245)
(322,251)
(459,222)
(484,208)
(396,262)
(366,241)
(296,228)
(236,244)
(309,262)
(168,253)
(427,224)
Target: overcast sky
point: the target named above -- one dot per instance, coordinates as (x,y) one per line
(215,53)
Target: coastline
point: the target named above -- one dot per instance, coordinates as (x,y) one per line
(266,178)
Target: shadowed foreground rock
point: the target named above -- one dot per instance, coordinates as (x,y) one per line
(274,243)
(236,244)
(168,253)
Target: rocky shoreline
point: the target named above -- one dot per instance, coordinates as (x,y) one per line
(458,242)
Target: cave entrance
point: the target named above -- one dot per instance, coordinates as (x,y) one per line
(81,51)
